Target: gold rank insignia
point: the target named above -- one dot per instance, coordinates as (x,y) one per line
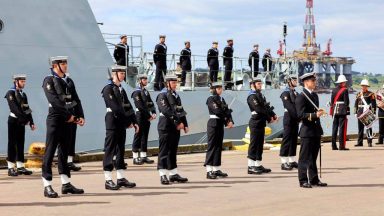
(10,97)
(285,98)
(48,86)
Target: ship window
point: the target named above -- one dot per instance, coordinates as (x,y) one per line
(1,25)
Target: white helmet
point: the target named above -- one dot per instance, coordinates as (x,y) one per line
(364,82)
(341,79)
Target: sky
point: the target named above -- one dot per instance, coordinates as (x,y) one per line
(356,27)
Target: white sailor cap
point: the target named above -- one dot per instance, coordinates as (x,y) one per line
(308,76)
(19,77)
(216,84)
(187,42)
(142,76)
(57,59)
(256,45)
(255,80)
(229,39)
(123,36)
(162,36)
(294,77)
(116,68)
(215,42)
(170,78)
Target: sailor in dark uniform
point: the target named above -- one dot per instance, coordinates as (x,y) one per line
(291,125)
(59,115)
(339,111)
(219,116)
(145,113)
(267,60)
(120,116)
(121,51)
(253,60)
(228,60)
(77,109)
(171,121)
(20,115)
(365,100)
(261,112)
(185,61)
(160,59)
(213,62)
(380,114)
(310,132)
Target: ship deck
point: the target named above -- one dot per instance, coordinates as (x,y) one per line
(355,178)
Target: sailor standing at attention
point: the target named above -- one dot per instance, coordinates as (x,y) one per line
(254,59)
(120,116)
(145,113)
(160,59)
(213,62)
(20,115)
(307,103)
(171,121)
(219,116)
(59,115)
(291,125)
(185,61)
(261,112)
(228,62)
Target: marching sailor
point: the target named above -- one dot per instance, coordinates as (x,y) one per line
(145,113)
(20,115)
(120,116)
(339,111)
(220,116)
(307,103)
(171,121)
(59,115)
(261,112)
(364,100)
(291,125)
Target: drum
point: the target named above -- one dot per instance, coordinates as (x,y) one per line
(367,118)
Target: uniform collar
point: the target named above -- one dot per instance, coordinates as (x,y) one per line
(310,92)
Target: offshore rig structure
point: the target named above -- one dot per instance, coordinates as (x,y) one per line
(310,58)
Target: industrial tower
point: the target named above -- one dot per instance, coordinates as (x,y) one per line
(309,40)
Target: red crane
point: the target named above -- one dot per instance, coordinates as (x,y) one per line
(328,51)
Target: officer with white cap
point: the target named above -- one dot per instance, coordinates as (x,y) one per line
(365,100)
(339,111)
(20,115)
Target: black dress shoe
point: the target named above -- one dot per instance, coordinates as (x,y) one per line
(263,169)
(177,178)
(49,192)
(253,170)
(110,185)
(306,185)
(69,188)
(125,183)
(147,160)
(286,166)
(358,145)
(334,148)
(219,173)
(73,167)
(211,175)
(344,149)
(23,171)
(319,184)
(138,161)
(12,172)
(294,164)
(164,180)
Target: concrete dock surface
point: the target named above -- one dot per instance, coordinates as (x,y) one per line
(355,178)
